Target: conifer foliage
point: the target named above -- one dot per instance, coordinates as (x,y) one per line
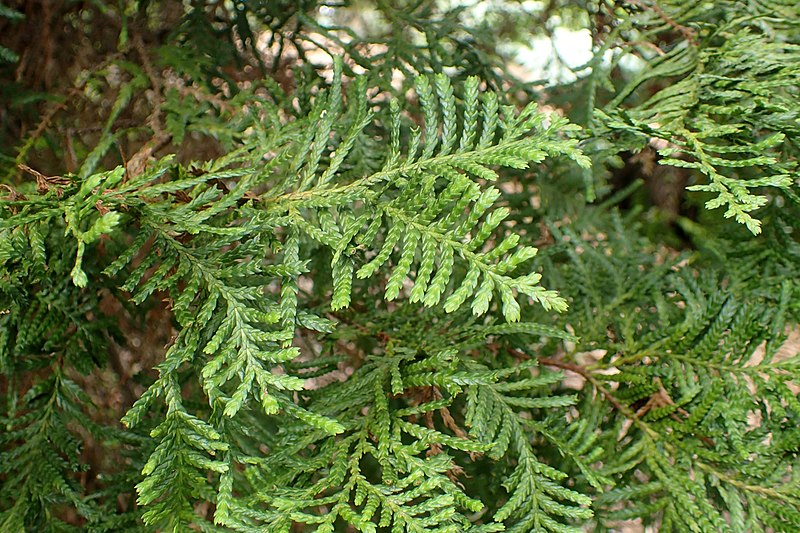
(300,266)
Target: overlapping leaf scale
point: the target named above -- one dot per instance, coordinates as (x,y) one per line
(726,119)
(537,500)
(438,211)
(228,318)
(412,489)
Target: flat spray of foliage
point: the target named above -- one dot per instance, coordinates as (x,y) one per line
(289,267)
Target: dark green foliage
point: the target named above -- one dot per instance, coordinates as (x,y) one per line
(377,291)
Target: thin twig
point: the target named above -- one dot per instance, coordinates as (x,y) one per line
(588,376)
(687,33)
(155,81)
